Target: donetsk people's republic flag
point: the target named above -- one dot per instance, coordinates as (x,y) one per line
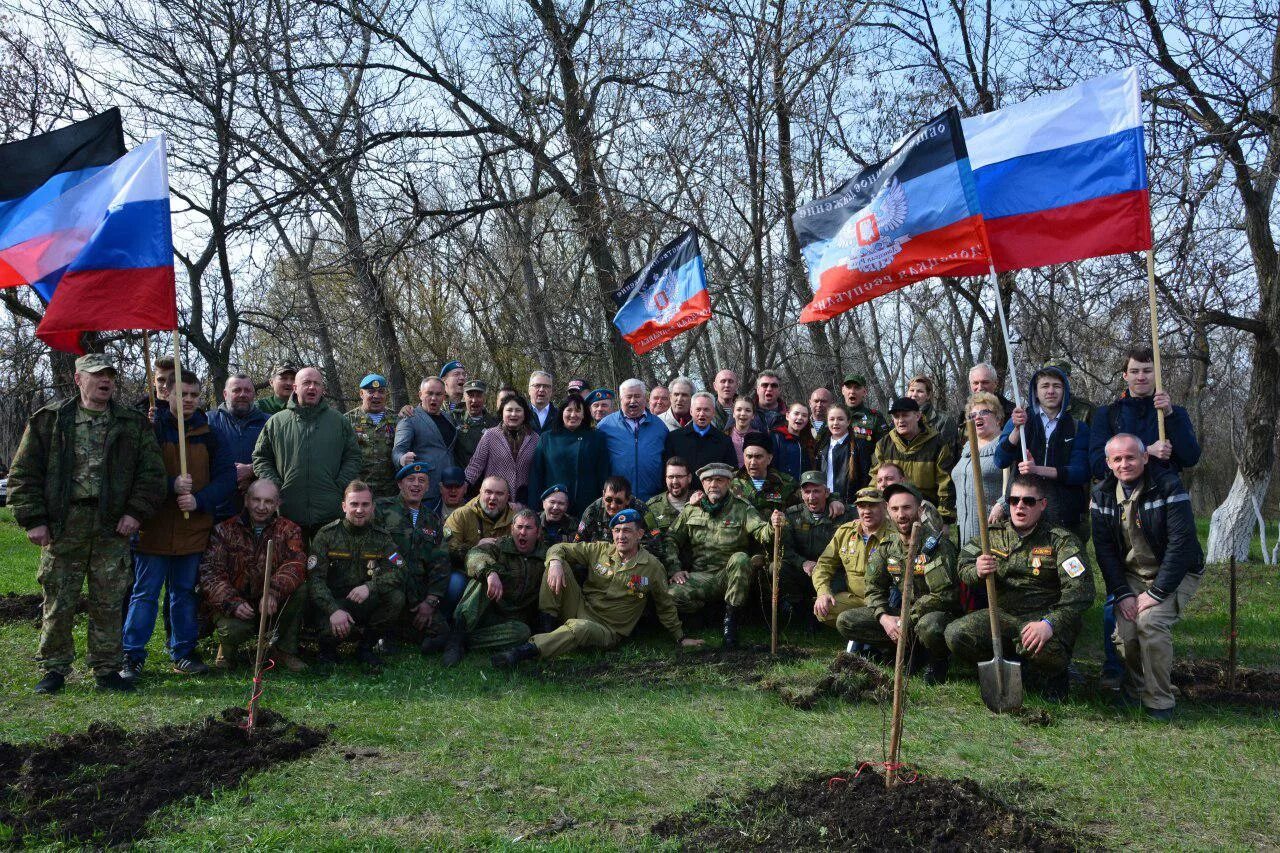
(1063,177)
(667,297)
(102,248)
(910,217)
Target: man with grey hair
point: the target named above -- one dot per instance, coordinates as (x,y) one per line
(427,435)
(545,414)
(983,377)
(681,393)
(635,439)
(699,443)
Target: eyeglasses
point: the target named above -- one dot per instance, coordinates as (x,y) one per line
(1025,500)
(981,413)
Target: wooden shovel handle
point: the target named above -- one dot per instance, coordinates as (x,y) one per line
(984,535)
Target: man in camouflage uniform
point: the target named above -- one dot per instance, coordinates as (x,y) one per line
(500,604)
(864,421)
(840,573)
(357,579)
(935,600)
(419,538)
(232,570)
(889,473)
(805,537)
(472,420)
(1043,583)
(615,497)
(600,612)
(660,511)
(86,474)
(766,488)
(558,525)
(484,518)
(376,433)
(281,383)
(706,549)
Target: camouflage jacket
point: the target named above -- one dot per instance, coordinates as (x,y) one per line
(933,578)
(344,556)
(805,537)
(703,540)
(469,431)
(468,524)
(659,515)
(521,574)
(375,442)
(555,532)
(231,570)
(421,545)
(1043,575)
(780,491)
(594,526)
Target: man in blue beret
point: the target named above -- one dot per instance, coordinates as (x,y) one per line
(376,432)
(454,376)
(419,537)
(621,578)
(600,403)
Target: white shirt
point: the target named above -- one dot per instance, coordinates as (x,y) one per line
(831,461)
(1050,424)
(541,413)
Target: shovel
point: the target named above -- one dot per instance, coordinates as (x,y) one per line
(999,680)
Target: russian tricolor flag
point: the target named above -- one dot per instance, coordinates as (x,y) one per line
(1063,177)
(666,298)
(94,239)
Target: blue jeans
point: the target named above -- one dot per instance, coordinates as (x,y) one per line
(178,574)
(457,586)
(1111,665)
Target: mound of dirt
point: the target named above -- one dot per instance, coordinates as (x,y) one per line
(102,785)
(743,666)
(852,678)
(20,608)
(1206,681)
(854,811)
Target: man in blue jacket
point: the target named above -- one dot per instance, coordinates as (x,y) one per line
(1057,446)
(237,423)
(635,439)
(1134,412)
(1144,535)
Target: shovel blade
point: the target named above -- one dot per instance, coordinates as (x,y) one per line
(1000,682)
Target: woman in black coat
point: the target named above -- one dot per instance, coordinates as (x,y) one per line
(572,454)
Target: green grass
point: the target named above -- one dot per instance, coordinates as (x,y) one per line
(472,758)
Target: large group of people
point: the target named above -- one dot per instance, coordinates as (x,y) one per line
(552,522)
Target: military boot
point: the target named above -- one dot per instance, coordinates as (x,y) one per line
(513,657)
(730,627)
(289,661)
(51,683)
(547,622)
(367,655)
(455,647)
(433,644)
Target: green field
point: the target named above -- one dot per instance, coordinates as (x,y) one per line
(473,758)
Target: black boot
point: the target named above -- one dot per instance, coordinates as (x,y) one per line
(433,644)
(113,682)
(455,646)
(1055,688)
(730,627)
(512,657)
(367,656)
(327,652)
(937,671)
(547,622)
(51,683)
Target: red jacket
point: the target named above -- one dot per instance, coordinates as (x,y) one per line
(232,568)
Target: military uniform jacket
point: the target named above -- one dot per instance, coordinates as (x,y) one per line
(616,591)
(421,545)
(555,532)
(849,552)
(594,526)
(703,540)
(933,577)
(805,537)
(344,556)
(468,524)
(375,441)
(926,461)
(867,423)
(231,571)
(521,574)
(778,492)
(1043,575)
(469,431)
(659,515)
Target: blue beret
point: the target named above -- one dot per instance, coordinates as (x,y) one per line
(453,476)
(553,489)
(627,515)
(453,365)
(598,395)
(374,381)
(413,468)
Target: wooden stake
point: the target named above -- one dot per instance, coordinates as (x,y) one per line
(1231,637)
(146,363)
(900,662)
(177,411)
(1155,333)
(777,566)
(262,636)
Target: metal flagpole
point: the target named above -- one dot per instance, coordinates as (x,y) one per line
(1008,350)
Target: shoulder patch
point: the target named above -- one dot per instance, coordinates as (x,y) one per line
(1073,567)
(312,561)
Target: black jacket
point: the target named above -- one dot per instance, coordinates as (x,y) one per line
(699,450)
(849,477)
(1164,512)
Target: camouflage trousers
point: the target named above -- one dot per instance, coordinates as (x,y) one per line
(489,625)
(374,616)
(732,584)
(969,639)
(82,552)
(861,625)
(232,632)
(580,628)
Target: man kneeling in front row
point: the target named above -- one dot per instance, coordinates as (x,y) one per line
(232,571)
(598,614)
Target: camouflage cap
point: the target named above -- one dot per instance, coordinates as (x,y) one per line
(854,379)
(476,385)
(94,362)
(283,368)
(813,478)
(868,495)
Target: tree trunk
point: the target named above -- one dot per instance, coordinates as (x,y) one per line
(533,296)
(333,383)
(1233,523)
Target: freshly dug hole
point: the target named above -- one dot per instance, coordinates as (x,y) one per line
(1206,681)
(852,678)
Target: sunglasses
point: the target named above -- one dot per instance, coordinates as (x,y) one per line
(981,413)
(1024,500)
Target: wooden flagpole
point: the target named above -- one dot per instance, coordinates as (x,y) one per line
(177,413)
(1155,332)
(146,363)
